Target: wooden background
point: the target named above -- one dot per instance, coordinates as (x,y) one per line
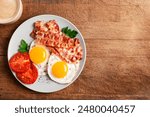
(117,36)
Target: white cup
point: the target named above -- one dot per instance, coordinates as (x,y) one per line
(17,14)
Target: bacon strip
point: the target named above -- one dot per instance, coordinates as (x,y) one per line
(49,35)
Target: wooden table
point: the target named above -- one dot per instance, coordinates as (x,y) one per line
(117,36)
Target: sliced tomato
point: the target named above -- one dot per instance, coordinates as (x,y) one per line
(28,77)
(20,62)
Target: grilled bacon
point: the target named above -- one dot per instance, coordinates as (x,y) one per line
(49,35)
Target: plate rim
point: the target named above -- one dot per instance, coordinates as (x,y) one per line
(81,68)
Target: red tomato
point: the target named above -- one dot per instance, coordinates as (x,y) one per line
(28,77)
(20,62)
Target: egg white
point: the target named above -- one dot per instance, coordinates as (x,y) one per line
(72,69)
(42,67)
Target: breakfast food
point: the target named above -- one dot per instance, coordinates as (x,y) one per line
(20,62)
(53,52)
(30,76)
(25,71)
(39,55)
(61,71)
(49,35)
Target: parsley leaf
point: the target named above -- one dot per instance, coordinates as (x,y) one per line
(23,47)
(70,33)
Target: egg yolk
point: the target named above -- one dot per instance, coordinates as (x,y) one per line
(38,54)
(60,69)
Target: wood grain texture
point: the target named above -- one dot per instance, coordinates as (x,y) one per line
(117,36)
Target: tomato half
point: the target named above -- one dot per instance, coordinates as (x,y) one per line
(28,77)
(20,62)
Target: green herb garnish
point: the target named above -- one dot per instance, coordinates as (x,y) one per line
(70,33)
(23,47)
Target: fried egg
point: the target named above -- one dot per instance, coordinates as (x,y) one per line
(39,55)
(60,71)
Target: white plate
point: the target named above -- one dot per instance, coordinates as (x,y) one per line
(44,84)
